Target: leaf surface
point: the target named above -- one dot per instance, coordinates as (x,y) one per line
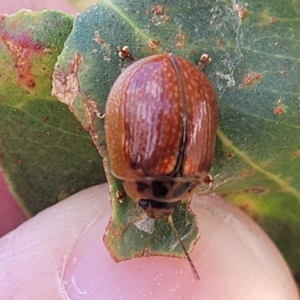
(44,152)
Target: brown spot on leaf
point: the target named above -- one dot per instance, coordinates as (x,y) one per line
(115,233)
(22,52)
(179,45)
(278,110)
(296,154)
(158,9)
(181,40)
(181,37)
(98,38)
(229,154)
(242,11)
(93,114)
(256,190)
(65,83)
(257,76)
(92,111)
(166,51)
(248,79)
(220,43)
(30,83)
(153,44)
(159,15)
(272,20)
(246,173)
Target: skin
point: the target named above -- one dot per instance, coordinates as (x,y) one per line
(59,253)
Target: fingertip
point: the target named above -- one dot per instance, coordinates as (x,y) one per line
(234,257)
(239,258)
(34,255)
(60,253)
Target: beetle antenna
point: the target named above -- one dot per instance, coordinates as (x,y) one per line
(170,220)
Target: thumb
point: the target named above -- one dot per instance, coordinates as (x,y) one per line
(59,254)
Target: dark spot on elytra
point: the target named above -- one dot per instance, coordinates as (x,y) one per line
(159,189)
(142,186)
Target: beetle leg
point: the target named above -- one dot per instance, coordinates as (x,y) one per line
(125,53)
(205,60)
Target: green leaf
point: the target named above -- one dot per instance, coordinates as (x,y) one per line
(44,152)
(85,71)
(255,69)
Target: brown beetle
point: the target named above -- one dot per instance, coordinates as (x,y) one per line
(161,121)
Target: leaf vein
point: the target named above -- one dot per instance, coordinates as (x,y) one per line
(244,156)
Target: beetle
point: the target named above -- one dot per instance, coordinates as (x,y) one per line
(160,121)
